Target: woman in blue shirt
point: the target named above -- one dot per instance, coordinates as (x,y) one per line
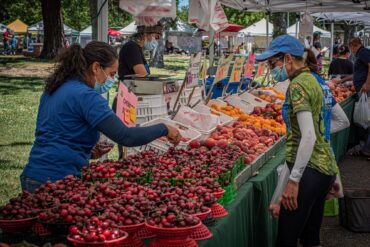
(72,113)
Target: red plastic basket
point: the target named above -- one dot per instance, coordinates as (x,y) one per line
(145,233)
(110,243)
(132,240)
(218,211)
(202,232)
(173,233)
(40,230)
(218,195)
(17,225)
(166,242)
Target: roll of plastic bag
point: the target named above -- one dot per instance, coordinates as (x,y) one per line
(284,173)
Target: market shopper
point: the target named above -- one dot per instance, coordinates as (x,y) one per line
(361,81)
(308,155)
(72,113)
(335,120)
(341,66)
(318,47)
(132,60)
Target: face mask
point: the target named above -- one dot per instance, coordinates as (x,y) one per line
(150,45)
(103,88)
(279,74)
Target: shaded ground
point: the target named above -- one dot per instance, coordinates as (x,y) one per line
(355,173)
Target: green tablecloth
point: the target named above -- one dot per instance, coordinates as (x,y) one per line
(341,139)
(249,222)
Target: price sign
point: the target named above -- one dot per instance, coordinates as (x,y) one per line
(261,69)
(126,105)
(193,71)
(249,66)
(237,70)
(223,68)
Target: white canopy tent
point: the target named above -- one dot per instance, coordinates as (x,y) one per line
(130,29)
(351,18)
(296,5)
(85,36)
(258,29)
(292,31)
(39,28)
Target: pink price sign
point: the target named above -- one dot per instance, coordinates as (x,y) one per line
(249,66)
(126,105)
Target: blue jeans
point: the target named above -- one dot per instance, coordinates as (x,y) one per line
(29,184)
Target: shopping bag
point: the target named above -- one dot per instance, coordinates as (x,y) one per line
(361,114)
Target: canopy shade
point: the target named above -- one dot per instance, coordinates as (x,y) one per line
(258,29)
(232,28)
(130,29)
(296,5)
(87,31)
(349,17)
(112,32)
(39,28)
(324,33)
(18,26)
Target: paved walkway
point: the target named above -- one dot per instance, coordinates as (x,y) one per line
(355,173)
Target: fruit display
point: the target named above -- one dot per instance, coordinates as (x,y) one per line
(271,111)
(340,91)
(229,110)
(269,94)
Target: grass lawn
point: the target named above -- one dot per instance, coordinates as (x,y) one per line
(19,100)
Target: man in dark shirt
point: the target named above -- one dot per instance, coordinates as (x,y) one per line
(361,80)
(341,65)
(131,57)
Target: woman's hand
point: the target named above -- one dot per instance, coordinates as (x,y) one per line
(100,149)
(173,135)
(290,196)
(275,210)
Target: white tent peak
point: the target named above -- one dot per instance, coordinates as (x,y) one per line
(258,28)
(291,31)
(129,29)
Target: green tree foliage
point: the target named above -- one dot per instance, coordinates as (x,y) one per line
(279,21)
(241,17)
(75,13)
(29,11)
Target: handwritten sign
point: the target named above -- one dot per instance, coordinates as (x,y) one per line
(237,70)
(261,69)
(193,71)
(126,105)
(223,68)
(249,66)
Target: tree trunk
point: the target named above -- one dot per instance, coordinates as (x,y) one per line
(94,19)
(349,32)
(158,60)
(279,21)
(53,28)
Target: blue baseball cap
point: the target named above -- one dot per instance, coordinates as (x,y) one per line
(285,44)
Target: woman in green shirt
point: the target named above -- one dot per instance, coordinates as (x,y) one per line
(308,155)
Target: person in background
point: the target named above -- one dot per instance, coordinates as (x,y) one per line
(361,81)
(13,44)
(336,46)
(72,113)
(132,60)
(317,45)
(308,155)
(6,41)
(341,65)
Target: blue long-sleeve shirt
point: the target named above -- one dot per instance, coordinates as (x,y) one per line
(67,128)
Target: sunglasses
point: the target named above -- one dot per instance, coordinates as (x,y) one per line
(272,62)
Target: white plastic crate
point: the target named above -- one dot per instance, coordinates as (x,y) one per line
(162,146)
(197,95)
(150,107)
(224,119)
(217,102)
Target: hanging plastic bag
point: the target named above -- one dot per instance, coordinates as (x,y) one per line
(306,26)
(361,114)
(275,203)
(336,190)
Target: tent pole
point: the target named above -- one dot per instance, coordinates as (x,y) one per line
(331,40)
(287,20)
(267,30)
(296,28)
(211,46)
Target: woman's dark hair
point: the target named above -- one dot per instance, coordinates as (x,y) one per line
(343,50)
(310,62)
(75,61)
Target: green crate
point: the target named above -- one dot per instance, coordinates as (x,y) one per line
(331,207)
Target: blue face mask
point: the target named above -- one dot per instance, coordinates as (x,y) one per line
(103,88)
(279,74)
(150,45)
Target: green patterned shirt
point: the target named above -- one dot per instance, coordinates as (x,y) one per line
(305,94)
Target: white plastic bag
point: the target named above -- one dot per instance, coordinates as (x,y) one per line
(336,190)
(275,203)
(306,26)
(361,114)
